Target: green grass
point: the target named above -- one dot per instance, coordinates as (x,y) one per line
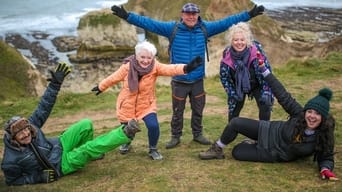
(12,63)
(181,170)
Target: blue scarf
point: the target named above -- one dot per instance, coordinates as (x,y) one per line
(242,76)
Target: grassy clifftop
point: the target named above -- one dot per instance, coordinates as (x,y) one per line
(14,80)
(181,170)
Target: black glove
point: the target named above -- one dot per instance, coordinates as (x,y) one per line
(193,64)
(60,73)
(47,176)
(97,90)
(120,12)
(256,10)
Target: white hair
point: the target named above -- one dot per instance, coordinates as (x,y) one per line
(147,46)
(243,28)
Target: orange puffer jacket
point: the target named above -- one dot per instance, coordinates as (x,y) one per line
(136,105)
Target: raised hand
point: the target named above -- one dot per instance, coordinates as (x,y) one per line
(61,71)
(256,10)
(120,12)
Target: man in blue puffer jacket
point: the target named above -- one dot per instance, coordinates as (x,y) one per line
(187,42)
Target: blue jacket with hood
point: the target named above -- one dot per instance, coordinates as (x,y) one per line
(188,42)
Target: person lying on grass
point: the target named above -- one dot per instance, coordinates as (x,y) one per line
(308,131)
(30,157)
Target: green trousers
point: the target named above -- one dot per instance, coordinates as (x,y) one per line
(79,146)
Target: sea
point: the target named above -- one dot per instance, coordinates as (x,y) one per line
(57,17)
(61,17)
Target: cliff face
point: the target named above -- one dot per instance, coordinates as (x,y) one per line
(104,40)
(18,78)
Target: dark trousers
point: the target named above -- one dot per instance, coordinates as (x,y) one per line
(196,93)
(264,110)
(244,151)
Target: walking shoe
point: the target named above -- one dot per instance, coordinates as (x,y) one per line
(125,148)
(202,140)
(173,142)
(155,155)
(131,128)
(214,152)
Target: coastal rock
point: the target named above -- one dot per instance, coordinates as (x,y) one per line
(17,41)
(66,43)
(309,24)
(100,46)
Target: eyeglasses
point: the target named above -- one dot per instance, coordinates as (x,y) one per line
(19,126)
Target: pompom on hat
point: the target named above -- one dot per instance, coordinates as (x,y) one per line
(320,103)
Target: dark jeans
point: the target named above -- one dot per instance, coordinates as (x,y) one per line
(264,110)
(196,93)
(244,151)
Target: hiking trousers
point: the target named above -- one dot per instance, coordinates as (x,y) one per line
(196,93)
(79,146)
(245,151)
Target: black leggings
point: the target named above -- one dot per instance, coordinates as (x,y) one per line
(244,151)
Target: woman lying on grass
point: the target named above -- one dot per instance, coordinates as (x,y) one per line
(308,131)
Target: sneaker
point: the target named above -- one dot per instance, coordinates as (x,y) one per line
(155,155)
(214,152)
(173,142)
(202,140)
(131,128)
(125,148)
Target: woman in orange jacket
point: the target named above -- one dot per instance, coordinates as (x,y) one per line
(137,98)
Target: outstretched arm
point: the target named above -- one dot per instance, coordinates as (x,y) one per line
(155,26)
(44,108)
(285,99)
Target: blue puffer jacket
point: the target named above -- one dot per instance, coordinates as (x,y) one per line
(187,43)
(19,164)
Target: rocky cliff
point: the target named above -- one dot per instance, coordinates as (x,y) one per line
(103,39)
(282,35)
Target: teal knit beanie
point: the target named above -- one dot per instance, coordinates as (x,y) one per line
(320,103)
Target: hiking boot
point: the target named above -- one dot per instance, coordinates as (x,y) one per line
(202,140)
(173,142)
(155,155)
(131,128)
(214,152)
(125,148)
